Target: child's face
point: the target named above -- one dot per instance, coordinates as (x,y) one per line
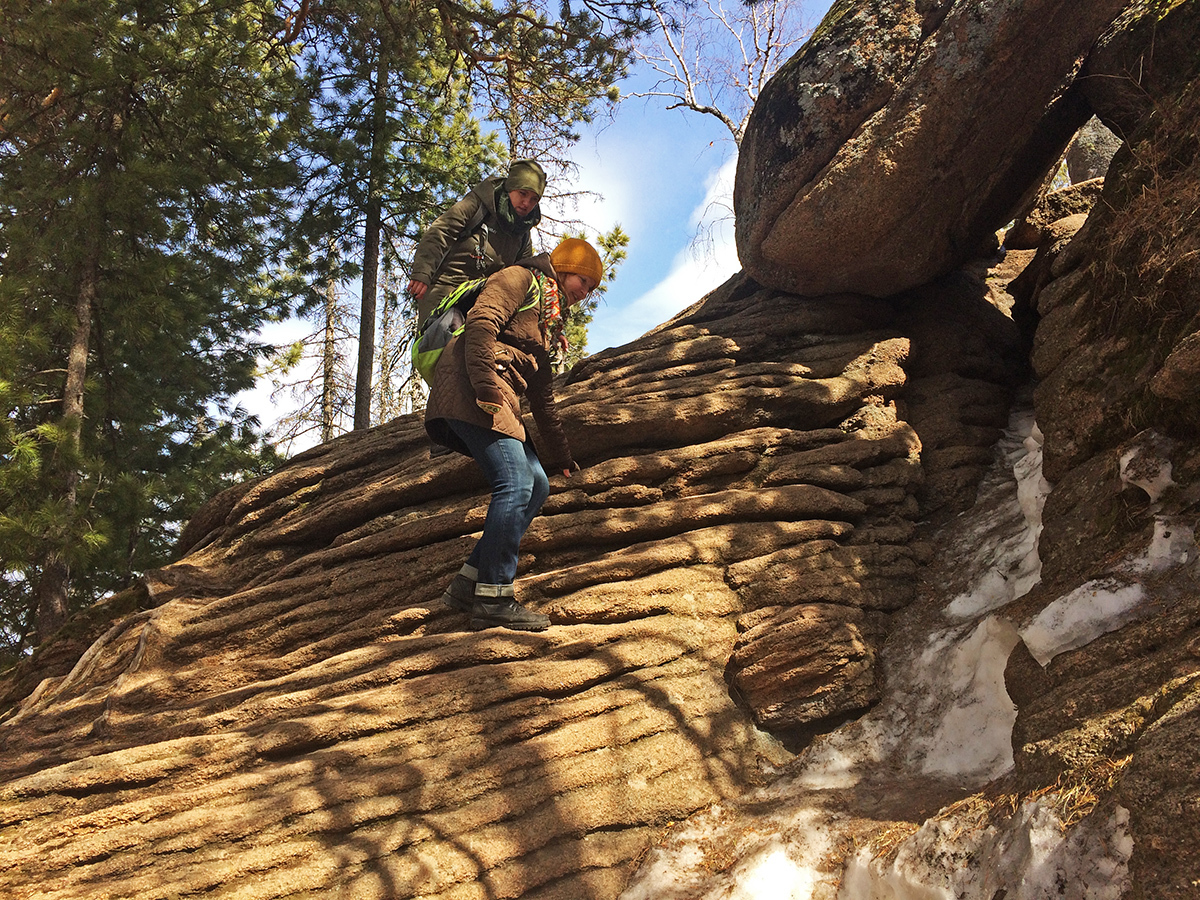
(577,287)
(523,201)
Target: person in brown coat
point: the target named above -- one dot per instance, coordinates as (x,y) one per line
(474,408)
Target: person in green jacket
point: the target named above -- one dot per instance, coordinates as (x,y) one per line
(479,235)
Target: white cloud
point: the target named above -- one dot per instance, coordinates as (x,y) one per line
(695,270)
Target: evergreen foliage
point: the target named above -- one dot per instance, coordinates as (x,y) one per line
(612,253)
(176,173)
(142,168)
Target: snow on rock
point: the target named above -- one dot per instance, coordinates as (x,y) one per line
(1173,544)
(1005,548)
(974,735)
(783,863)
(945,721)
(1032,857)
(1145,464)
(1105,604)
(1092,609)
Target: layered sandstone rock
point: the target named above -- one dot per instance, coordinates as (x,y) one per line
(295,713)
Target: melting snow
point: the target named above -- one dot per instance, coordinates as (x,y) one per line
(1029,859)
(945,716)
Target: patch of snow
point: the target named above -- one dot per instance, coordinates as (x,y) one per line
(838,761)
(1145,464)
(784,863)
(1092,609)
(770,874)
(946,713)
(1030,857)
(1173,544)
(1007,536)
(974,734)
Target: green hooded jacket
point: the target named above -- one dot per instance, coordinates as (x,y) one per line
(447,256)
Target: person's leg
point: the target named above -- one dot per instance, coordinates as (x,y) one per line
(519,488)
(539,486)
(505,465)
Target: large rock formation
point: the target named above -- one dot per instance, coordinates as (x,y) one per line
(1088,672)
(954,112)
(1142,60)
(769,505)
(298,695)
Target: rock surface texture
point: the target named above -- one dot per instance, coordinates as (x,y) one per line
(298,714)
(769,504)
(882,181)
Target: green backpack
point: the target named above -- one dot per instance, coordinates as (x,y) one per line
(449,318)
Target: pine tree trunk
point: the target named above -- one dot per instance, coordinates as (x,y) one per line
(372,230)
(388,352)
(55,578)
(328,362)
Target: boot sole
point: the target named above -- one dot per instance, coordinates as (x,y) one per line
(481,624)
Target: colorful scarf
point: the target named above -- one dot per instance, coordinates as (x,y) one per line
(549,310)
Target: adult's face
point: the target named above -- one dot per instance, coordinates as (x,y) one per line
(577,287)
(523,201)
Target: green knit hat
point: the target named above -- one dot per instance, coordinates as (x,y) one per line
(526,175)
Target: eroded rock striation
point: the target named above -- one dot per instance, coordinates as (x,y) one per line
(770,494)
(726,562)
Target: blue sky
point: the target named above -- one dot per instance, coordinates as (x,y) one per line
(662,174)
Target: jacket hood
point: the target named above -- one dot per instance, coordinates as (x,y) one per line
(486,191)
(541,262)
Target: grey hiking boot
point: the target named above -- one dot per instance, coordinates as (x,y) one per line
(508,613)
(460,594)
(494,605)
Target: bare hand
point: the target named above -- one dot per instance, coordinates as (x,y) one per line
(417,288)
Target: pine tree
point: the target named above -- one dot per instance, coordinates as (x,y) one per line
(394,137)
(388,139)
(140,179)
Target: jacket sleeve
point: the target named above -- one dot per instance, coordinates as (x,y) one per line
(549,423)
(439,237)
(497,303)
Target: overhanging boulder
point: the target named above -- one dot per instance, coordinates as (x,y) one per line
(898,173)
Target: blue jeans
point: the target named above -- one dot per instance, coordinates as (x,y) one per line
(519,488)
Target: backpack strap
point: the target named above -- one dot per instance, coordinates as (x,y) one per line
(475,221)
(474,226)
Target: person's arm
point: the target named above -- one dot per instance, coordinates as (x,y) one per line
(445,231)
(541,403)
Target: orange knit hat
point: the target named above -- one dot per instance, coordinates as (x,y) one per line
(578,256)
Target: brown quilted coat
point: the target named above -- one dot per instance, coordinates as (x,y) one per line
(500,357)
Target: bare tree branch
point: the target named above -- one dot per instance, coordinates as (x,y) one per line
(714,61)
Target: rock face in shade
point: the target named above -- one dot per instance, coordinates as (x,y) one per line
(883,180)
(1141,61)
